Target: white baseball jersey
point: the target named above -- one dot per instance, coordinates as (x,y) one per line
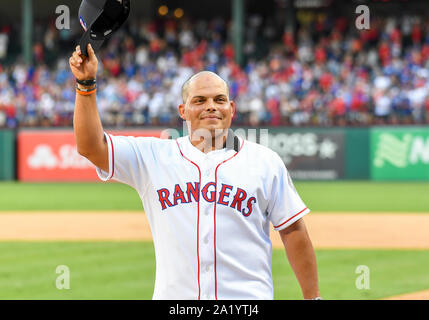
(209,213)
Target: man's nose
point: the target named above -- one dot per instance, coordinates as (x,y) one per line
(210,105)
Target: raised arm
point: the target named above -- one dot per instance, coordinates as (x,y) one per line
(88,129)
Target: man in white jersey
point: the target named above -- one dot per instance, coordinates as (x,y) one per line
(209,197)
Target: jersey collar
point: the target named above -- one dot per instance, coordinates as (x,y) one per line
(231,146)
(232,141)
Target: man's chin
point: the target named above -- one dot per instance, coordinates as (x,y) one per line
(216,131)
(210,131)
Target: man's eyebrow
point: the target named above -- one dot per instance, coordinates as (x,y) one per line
(203,97)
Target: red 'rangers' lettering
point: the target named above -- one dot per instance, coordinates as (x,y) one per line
(237,200)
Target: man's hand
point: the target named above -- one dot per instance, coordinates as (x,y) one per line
(84,68)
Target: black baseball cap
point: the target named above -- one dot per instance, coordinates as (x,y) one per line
(100,19)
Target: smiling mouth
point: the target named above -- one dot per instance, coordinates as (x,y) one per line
(211,118)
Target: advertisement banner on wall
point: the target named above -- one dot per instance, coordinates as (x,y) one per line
(52,155)
(309,154)
(400,153)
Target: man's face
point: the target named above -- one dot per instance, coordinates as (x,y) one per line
(207,105)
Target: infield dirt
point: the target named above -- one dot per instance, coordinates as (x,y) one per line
(327,230)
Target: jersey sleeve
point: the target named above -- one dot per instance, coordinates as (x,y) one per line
(126,163)
(285,206)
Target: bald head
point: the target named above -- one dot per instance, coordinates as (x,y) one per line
(202,75)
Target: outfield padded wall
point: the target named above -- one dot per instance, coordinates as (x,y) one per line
(7,155)
(377,153)
(357,150)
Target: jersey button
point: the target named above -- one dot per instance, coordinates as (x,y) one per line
(206,240)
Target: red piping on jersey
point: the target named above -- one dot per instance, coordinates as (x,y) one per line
(113,156)
(198,219)
(290,218)
(214,215)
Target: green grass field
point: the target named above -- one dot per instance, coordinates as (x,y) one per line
(126,270)
(319,196)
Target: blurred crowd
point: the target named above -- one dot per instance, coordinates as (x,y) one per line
(322,72)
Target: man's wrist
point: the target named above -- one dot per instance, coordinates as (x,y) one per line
(83,87)
(87,82)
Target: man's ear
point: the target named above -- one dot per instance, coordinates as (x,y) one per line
(182,111)
(233,108)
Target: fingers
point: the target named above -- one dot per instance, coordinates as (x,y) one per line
(91,53)
(76,59)
(82,64)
